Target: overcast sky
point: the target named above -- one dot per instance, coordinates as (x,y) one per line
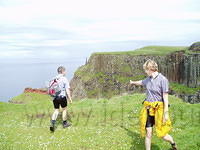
(39,28)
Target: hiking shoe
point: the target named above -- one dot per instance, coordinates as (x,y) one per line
(52,126)
(174,146)
(66,124)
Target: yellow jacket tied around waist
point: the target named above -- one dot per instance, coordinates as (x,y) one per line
(155,109)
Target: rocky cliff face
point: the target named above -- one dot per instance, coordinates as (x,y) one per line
(106,75)
(182,68)
(195,46)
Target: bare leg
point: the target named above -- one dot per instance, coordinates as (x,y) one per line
(64,114)
(53,121)
(55,114)
(64,117)
(168,138)
(148,138)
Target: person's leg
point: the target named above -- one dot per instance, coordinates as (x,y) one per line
(169,139)
(149,129)
(148,138)
(63,103)
(64,116)
(64,113)
(55,114)
(53,120)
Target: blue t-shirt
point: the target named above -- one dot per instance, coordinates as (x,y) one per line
(155,87)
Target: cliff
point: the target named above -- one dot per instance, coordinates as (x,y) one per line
(39,91)
(108,74)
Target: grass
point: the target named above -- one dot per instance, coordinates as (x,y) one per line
(183,89)
(96,124)
(148,50)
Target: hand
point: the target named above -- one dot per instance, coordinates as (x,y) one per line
(70,101)
(131,82)
(165,117)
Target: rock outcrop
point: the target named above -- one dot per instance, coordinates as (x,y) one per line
(106,75)
(190,98)
(195,46)
(39,91)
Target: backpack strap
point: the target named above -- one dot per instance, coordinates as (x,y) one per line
(54,81)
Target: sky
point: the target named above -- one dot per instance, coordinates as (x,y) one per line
(36,29)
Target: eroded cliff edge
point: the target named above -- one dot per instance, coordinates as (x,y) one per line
(108,74)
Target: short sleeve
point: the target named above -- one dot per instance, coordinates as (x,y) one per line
(144,82)
(165,85)
(67,86)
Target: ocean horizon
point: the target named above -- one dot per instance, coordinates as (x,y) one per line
(15,77)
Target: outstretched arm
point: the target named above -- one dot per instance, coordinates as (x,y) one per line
(136,82)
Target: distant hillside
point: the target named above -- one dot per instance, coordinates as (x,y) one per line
(96,124)
(108,73)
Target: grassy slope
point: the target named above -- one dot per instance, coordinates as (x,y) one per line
(149,50)
(183,89)
(26,126)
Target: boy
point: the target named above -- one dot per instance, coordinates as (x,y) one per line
(61,99)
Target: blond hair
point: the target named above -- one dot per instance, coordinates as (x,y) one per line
(150,65)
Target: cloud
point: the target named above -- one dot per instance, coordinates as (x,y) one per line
(93,9)
(34,25)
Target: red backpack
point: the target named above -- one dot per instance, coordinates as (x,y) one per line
(54,88)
